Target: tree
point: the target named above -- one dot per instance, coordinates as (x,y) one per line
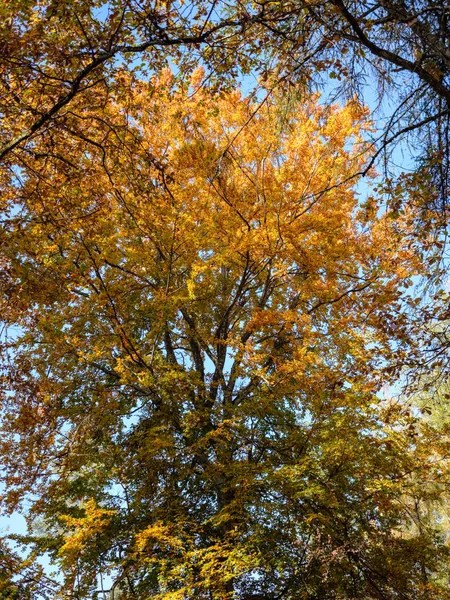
(201,311)
(22,579)
(432,400)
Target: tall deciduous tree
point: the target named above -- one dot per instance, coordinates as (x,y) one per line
(201,310)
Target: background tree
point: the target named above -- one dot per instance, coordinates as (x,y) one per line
(201,310)
(23,579)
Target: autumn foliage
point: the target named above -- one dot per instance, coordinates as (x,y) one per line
(198,312)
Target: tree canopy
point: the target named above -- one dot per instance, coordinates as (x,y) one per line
(201,310)
(55,53)
(203,307)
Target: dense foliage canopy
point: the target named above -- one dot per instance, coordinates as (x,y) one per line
(200,309)
(55,52)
